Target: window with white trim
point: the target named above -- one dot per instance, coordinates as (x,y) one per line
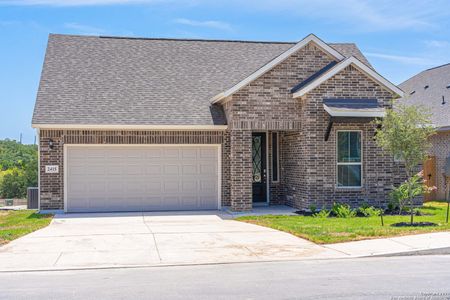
(349,159)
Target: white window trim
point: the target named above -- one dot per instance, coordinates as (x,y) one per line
(278,158)
(349,163)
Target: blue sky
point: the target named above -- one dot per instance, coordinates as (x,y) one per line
(400,38)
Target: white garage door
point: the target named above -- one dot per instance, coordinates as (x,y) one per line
(141,178)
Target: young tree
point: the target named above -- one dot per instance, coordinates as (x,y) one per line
(404,132)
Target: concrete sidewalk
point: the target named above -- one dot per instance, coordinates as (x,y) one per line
(385,246)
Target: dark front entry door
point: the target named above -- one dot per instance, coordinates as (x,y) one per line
(259,167)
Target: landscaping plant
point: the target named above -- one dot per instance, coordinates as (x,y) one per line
(313,208)
(323,213)
(369,211)
(404,132)
(400,195)
(343,210)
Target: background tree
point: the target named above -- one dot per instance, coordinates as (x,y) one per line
(404,132)
(18,168)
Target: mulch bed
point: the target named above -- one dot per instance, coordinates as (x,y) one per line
(415,224)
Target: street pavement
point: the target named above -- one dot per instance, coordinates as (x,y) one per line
(409,277)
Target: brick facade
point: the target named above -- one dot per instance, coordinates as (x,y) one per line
(267,103)
(318,170)
(52,185)
(307,163)
(440,149)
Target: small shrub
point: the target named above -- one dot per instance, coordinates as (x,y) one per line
(369,211)
(322,214)
(392,206)
(343,210)
(398,198)
(313,208)
(364,205)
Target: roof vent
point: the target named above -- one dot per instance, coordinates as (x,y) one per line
(448,86)
(427,86)
(443,100)
(412,92)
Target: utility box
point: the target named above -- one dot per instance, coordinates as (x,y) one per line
(33,198)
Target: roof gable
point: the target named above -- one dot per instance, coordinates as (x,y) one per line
(341,66)
(276,61)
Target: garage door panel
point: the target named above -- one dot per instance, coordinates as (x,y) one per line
(114,186)
(171,187)
(114,169)
(189,153)
(208,153)
(207,169)
(171,152)
(134,169)
(190,169)
(171,169)
(189,186)
(154,153)
(153,169)
(121,178)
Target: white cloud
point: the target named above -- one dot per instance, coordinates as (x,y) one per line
(84,29)
(9,23)
(73,2)
(360,15)
(437,44)
(408,60)
(208,24)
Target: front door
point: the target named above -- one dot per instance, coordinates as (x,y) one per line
(259,167)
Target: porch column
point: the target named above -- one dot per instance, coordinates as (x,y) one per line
(241,169)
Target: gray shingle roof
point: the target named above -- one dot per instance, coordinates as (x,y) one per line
(132,81)
(438,81)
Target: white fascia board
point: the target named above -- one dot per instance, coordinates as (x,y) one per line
(342,65)
(130,127)
(355,114)
(277,60)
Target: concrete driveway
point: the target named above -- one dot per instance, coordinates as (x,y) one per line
(74,241)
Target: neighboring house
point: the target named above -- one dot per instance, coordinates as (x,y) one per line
(132,124)
(431,89)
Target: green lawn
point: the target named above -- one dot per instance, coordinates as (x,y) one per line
(335,230)
(14,224)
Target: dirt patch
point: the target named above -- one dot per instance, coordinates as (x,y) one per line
(341,233)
